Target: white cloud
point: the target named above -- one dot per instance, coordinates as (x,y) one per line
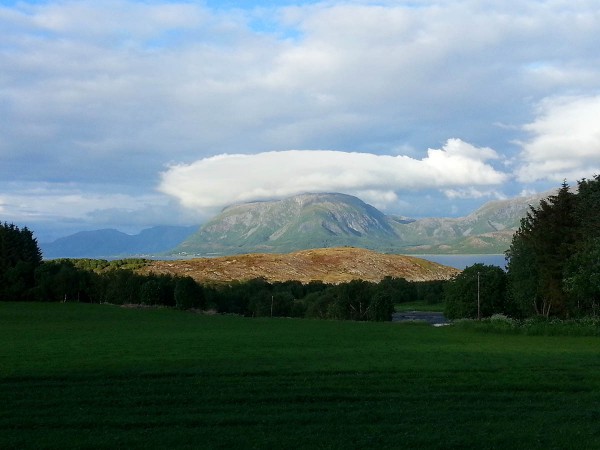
(50,206)
(565,140)
(130,85)
(38,201)
(473,192)
(221,180)
(104,93)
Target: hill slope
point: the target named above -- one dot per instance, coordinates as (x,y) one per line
(489,229)
(295,223)
(333,220)
(331,265)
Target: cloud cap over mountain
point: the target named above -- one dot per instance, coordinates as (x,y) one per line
(225,179)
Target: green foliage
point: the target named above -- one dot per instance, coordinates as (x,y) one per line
(150,292)
(188,294)
(61,280)
(355,300)
(399,289)
(582,278)
(430,292)
(522,274)
(553,258)
(102,265)
(19,257)
(478,291)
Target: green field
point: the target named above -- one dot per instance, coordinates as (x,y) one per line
(100,376)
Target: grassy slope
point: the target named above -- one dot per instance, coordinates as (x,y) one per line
(330,265)
(104,377)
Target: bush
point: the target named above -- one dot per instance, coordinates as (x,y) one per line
(533,326)
(480,282)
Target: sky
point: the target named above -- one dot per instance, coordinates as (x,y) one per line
(130,114)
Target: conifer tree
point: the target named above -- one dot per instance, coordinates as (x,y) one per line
(19,257)
(538,254)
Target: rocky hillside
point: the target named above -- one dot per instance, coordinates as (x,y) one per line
(309,221)
(331,265)
(334,220)
(295,223)
(489,229)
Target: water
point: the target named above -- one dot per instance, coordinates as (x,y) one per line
(462,261)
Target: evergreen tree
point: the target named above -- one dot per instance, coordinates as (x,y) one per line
(582,268)
(522,274)
(19,257)
(587,210)
(539,250)
(582,278)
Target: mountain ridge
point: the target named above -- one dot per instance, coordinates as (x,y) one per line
(334,220)
(109,242)
(317,220)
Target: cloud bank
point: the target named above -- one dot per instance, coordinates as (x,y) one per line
(565,140)
(225,179)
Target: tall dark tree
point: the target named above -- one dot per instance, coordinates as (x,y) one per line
(582,268)
(543,244)
(19,257)
(522,275)
(587,210)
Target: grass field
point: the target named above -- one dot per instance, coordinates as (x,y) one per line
(100,376)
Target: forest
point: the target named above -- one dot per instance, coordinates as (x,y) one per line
(553,270)
(26,277)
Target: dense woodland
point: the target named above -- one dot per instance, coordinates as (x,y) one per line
(100,281)
(553,270)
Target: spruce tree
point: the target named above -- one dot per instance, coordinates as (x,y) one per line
(538,254)
(19,257)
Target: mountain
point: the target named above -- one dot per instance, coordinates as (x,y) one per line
(295,223)
(489,229)
(334,220)
(111,243)
(330,265)
(308,221)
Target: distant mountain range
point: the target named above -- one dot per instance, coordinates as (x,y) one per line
(334,220)
(309,221)
(110,243)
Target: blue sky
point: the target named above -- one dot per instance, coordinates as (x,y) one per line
(124,114)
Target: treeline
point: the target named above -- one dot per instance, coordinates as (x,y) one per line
(354,300)
(553,263)
(118,283)
(25,277)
